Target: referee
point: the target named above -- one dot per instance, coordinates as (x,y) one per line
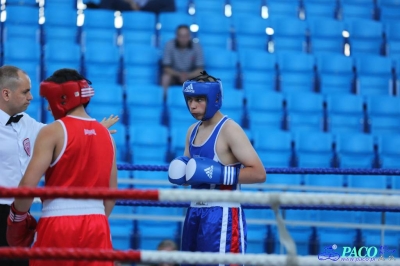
(18,132)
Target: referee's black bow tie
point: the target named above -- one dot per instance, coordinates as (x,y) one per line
(14,119)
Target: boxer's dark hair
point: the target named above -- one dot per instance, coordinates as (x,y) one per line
(205,77)
(66,74)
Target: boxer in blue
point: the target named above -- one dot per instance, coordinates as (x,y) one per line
(219,156)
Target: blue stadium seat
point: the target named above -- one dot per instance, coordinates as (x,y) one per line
(70,57)
(289,34)
(296,72)
(384,112)
(256,233)
(392,34)
(139,28)
(107,93)
(145,103)
(366,37)
(27,58)
(141,55)
(305,111)
(53,16)
(152,232)
(265,109)
(21,2)
(207,6)
(324,180)
(374,75)
(245,24)
(352,10)
(314,149)
(220,59)
(326,35)
(282,180)
(392,48)
(274,147)
(390,13)
(233,104)
(101,61)
(99,35)
(22,15)
(181,5)
(101,110)
(300,234)
(390,153)
(51,66)
(355,150)
(259,42)
(170,21)
(99,18)
(58,33)
(367,181)
(319,9)
(335,74)
(148,142)
(289,9)
(345,113)
(12,31)
(258,67)
(141,64)
(178,137)
(217,40)
(252,8)
(213,30)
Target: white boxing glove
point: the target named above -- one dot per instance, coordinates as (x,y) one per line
(177,170)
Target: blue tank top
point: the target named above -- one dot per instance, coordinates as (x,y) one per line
(208,150)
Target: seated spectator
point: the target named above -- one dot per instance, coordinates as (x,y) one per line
(155,6)
(182,59)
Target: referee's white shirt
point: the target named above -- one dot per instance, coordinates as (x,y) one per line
(16,146)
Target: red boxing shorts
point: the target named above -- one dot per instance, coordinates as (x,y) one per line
(84,231)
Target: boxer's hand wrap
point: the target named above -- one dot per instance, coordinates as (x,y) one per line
(204,170)
(177,170)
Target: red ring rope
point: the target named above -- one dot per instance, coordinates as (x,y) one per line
(70,254)
(59,192)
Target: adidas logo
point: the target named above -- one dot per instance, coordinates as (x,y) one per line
(209,171)
(189,88)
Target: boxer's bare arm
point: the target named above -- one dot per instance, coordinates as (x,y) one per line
(243,151)
(186,153)
(42,157)
(109,204)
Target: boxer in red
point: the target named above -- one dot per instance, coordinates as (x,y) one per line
(73,151)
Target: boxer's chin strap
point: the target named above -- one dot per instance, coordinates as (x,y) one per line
(284,235)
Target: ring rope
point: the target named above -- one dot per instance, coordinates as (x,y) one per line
(293,170)
(174,195)
(172,257)
(135,181)
(146,203)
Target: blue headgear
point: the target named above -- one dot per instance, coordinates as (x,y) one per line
(211,90)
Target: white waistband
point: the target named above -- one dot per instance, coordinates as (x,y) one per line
(72,207)
(202,204)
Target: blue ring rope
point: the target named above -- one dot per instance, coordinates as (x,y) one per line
(311,171)
(147,203)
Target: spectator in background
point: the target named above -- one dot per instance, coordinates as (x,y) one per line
(167,245)
(182,59)
(155,6)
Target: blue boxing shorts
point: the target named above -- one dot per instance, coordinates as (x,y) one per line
(214,227)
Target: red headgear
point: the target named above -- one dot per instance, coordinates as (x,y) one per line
(65,96)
